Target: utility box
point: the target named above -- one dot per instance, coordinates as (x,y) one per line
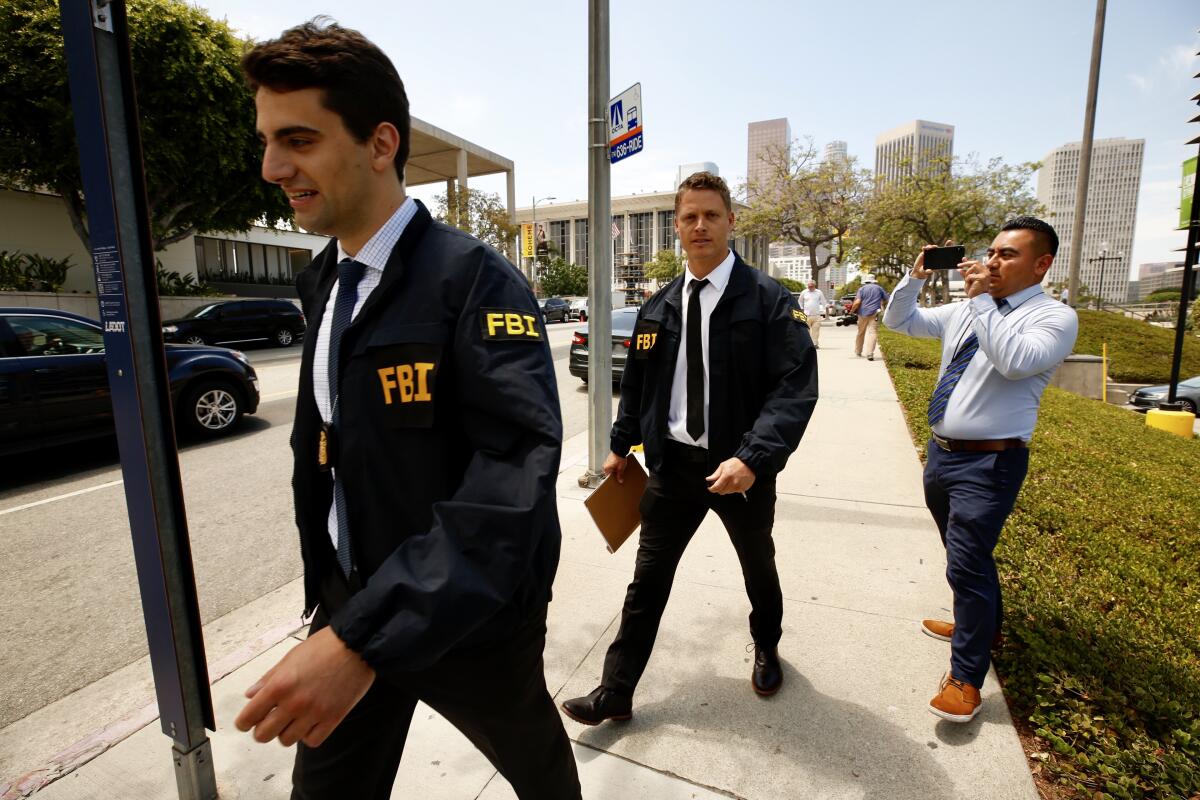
(1081,374)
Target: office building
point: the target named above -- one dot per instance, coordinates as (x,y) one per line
(686,170)
(791,261)
(1158,276)
(1107,249)
(916,145)
(766,141)
(835,150)
(643,225)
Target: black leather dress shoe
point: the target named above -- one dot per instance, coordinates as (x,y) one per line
(768,675)
(598,706)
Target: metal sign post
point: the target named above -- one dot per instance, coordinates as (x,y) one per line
(96,36)
(599,247)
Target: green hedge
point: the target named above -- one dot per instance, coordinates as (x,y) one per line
(1100,563)
(1138,352)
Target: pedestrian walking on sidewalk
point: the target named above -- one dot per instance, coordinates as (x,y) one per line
(868,302)
(999,350)
(813,303)
(719,387)
(426,445)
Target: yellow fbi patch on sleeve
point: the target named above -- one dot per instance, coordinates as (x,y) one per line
(508,324)
(799,315)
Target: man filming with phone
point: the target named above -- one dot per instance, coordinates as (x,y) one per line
(999,350)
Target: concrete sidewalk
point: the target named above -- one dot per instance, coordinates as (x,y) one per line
(860,564)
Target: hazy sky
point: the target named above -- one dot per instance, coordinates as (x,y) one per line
(1010,77)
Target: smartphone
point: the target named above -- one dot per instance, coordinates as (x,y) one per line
(945,257)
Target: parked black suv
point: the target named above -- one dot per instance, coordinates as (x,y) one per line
(554,309)
(54,382)
(238,321)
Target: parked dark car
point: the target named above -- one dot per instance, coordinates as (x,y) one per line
(554,309)
(238,322)
(1186,392)
(54,382)
(623,320)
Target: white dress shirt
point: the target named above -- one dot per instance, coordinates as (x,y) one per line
(813,303)
(710,295)
(374,254)
(1020,347)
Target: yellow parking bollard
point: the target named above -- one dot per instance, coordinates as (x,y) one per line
(1177,422)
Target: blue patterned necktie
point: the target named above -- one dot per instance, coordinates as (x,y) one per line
(955,370)
(350,272)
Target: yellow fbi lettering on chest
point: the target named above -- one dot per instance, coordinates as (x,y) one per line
(644,341)
(406,383)
(501,324)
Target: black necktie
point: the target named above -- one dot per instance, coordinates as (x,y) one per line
(350,272)
(695,361)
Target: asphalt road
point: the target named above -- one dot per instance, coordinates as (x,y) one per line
(70,612)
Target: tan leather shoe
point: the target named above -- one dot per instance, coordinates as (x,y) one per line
(938,629)
(958,701)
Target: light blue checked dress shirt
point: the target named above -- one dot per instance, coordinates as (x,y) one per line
(374,254)
(1019,350)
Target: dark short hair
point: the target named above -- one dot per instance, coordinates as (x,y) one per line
(704,180)
(1041,228)
(358,82)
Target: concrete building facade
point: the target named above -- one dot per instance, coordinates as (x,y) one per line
(764,140)
(645,224)
(914,145)
(1108,230)
(37,222)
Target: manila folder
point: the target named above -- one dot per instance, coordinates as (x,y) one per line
(614,506)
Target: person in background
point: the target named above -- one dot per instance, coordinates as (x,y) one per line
(813,303)
(868,302)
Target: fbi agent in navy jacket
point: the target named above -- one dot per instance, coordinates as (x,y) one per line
(719,387)
(426,442)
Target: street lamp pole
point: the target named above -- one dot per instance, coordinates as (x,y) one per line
(1103,258)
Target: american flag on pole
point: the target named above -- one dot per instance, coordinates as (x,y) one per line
(615,231)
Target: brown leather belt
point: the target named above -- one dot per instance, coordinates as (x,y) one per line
(977,445)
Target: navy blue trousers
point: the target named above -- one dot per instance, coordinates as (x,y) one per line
(970,496)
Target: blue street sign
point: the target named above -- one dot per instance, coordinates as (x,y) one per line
(625,124)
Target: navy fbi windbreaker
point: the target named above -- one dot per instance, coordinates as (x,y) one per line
(763,382)
(449,439)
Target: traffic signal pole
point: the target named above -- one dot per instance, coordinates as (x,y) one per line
(100,73)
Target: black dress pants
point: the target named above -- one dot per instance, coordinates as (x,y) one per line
(674,504)
(496,696)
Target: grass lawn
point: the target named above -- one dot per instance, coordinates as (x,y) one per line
(1100,564)
(1138,352)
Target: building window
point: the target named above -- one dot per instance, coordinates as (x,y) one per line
(225,260)
(666,230)
(560,237)
(641,231)
(581,242)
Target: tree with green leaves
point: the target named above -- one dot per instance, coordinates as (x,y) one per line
(664,267)
(792,285)
(962,200)
(199,146)
(480,214)
(560,279)
(807,201)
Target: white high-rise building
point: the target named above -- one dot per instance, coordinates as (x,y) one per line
(765,140)
(835,150)
(913,145)
(687,170)
(1111,213)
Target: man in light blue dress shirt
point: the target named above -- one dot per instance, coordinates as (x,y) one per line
(999,350)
